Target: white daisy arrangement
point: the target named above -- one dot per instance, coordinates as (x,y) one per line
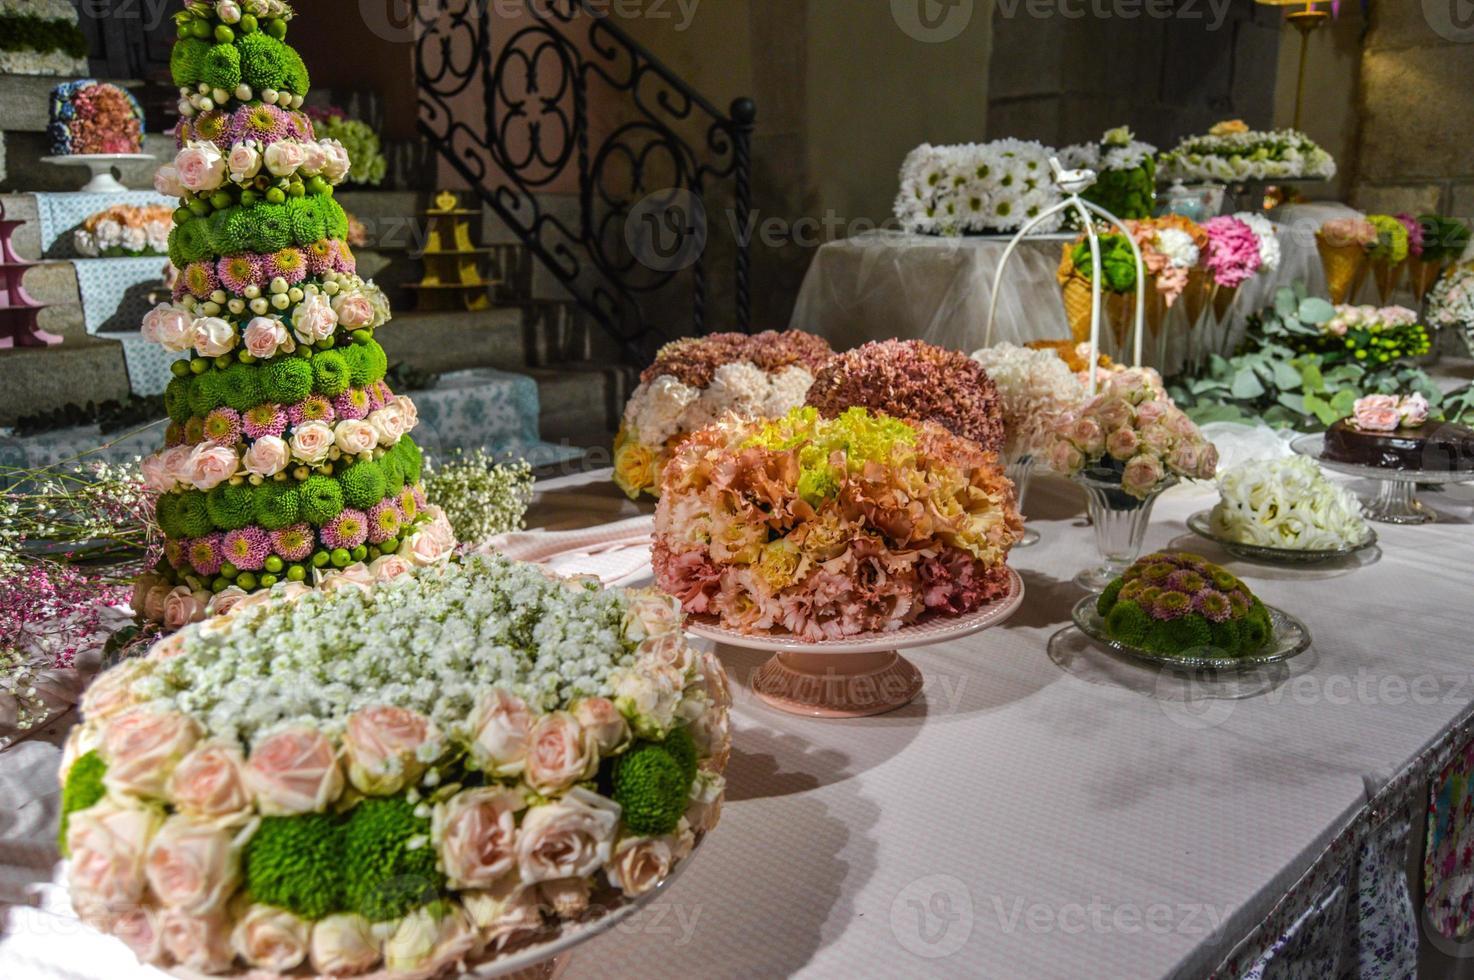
(1287,503)
(404,777)
(1233,152)
(1035,386)
(1118,149)
(976,188)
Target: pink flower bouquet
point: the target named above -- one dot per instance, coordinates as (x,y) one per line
(1130,432)
(832,528)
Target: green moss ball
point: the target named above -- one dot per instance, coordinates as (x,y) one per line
(222,67)
(651,786)
(330,373)
(297,863)
(277,505)
(322,499)
(363,484)
(391,859)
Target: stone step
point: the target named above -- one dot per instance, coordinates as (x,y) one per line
(582,402)
(511,337)
(26,173)
(80,370)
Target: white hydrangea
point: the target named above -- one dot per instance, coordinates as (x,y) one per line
(1179,248)
(656,408)
(1287,503)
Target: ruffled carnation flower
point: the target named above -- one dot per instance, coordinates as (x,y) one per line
(1233,255)
(348,530)
(266,419)
(223,426)
(294,543)
(694,360)
(206,554)
(315,408)
(910,379)
(247,548)
(383,521)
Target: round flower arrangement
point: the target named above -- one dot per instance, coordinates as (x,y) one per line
(1287,503)
(976,188)
(1232,152)
(404,777)
(1033,386)
(1174,603)
(911,379)
(88,117)
(829,528)
(698,380)
(125,230)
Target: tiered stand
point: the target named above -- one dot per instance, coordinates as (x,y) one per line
(453,261)
(18,311)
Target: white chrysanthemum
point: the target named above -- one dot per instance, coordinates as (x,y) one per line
(1179,248)
(1080,156)
(1033,386)
(787,390)
(1287,503)
(1269,239)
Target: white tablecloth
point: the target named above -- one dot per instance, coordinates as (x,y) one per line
(1019,819)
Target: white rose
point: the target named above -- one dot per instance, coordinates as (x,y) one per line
(559,754)
(640,863)
(571,838)
(388,424)
(355,437)
(343,945)
(311,442)
(267,456)
(428,940)
(270,938)
(194,867)
(213,336)
(504,912)
(284,157)
(476,832)
(200,943)
(500,727)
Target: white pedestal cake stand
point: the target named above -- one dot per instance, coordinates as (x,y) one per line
(1397,500)
(101,165)
(856,676)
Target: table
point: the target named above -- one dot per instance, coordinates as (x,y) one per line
(1019,820)
(883,284)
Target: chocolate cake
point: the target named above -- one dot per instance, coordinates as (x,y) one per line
(1433,446)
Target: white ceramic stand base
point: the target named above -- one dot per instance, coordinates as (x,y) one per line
(103,181)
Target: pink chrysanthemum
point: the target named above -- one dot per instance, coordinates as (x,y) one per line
(259,121)
(266,419)
(408,505)
(199,279)
(239,272)
(290,264)
(1213,605)
(247,548)
(378,395)
(213,127)
(299,126)
(223,426)
(352,404)
(1171,605)
(313,409)
(383,521)
(348,530)
(176,552)
(293,543)
(321,255)
(419,490)
(173,435)
(344,261)
(205,554)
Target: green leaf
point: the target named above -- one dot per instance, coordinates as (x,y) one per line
(1311,378)
(1203,414)
(1246,385)
(1343,403)
(1292,401)
(1285,376)
(1315,310)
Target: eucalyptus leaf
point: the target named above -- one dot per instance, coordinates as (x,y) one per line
(1292,401)
(1246,384)
(1286,304)
(1285,376)
(1315,310)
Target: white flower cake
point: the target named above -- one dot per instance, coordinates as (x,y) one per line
(976,188)
(396,777)
(1287,503)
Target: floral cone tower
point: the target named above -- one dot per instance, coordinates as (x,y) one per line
(287,457)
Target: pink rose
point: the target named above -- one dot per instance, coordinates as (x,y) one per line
(477,833)
(153,603)
(1158,438)
(500,728)
(107,845)
(200,943)
(382,745)
(213,336)
(194,867)
(1185,458)
(244,163)
(294,771)
(156,475)
(354,310)
(211,465)
(410,411)
(111,693)
(558,754)
(432,543)
(342,945)
(669,651)
(208,783)
(170,328)
(603,724)
(314,319)
(1065,459)
(571,838)
(271,938)
(1087,436)
(1376,419)
(142,746)
(267,456)
(183,607)
(1142,475)
(640,863)
(176,461)
(651,614)
(1414,411)
(228,11)
(140,929)
(314,158)
(200,166)
(388,424)
(1113,413)
(1122,444)
(311,442)
(335,160)
(355,437)
(355,576)
(284,157)
(265,335)
(389,567)
(1149,412)
(166,181)
(428,940)
(1208,462)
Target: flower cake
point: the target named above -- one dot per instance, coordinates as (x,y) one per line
(914,380)
(1175,604)
(88,116)
(287,456)
(1392,432)
(697,380)
(402,779)
(829,528)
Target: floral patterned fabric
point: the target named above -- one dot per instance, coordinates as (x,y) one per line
(1448,864)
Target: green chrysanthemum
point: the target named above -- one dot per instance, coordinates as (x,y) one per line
(82,789)
(278,504)
(307,221)
(337,221)
(205,394)
(166,512)
(322,500)
(176,399)
(187,60)
(231,506)
(189,242)
(392,859)
(240,386)
(330,373)
(410,458)
(222,67)
(286,380)
(193,514)
(650,785)
(298,80)
(263,60)
(297,863)
(393,471)
(363,484)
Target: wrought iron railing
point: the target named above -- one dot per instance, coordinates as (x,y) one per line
(563,105)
